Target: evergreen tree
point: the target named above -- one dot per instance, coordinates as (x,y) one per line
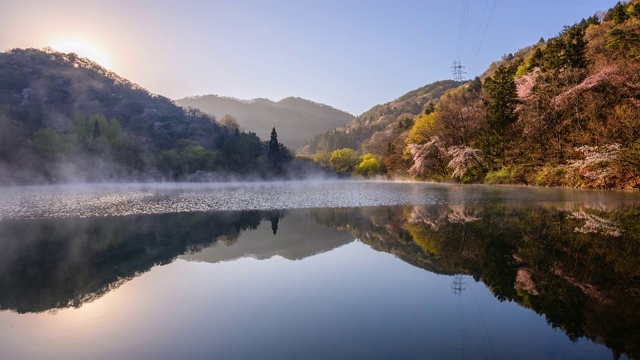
(500,103)
(96,130)
(274,217)
(618,13)
(501,99)
(273,151)
(575,46)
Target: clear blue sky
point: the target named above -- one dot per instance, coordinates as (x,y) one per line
(351,54)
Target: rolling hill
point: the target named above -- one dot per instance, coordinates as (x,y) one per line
(64,118)
(382,120)
(563,111)
(295,119)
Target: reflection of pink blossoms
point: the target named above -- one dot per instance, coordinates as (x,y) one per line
(452,214)
(596,224)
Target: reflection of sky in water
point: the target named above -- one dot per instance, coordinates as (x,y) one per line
(309,292)
(350,303)
(118,200)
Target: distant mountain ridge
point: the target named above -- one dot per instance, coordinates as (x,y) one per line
(296,119)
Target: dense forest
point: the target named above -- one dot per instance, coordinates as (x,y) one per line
(564,111)
(295,118)
(66,119)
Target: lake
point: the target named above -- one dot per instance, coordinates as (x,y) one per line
(318,270)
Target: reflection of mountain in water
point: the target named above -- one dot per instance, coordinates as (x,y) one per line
(56,263)
(576,265)
(298,237)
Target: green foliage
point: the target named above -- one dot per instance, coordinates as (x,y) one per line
(323,159)
(624,43)
(273,150)
(510,174)
(423,129)
(368,165)
(531,62)
(343,160)
(567,50)
(618,14)
(187,159)
(635,10)
(575,45)
(552,175)
(501,100)
(48,145)
(505,175)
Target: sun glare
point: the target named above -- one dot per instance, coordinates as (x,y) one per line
(84,49)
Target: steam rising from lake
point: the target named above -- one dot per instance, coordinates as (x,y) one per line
(68,201)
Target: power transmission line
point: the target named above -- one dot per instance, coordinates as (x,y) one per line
(458,73)
(457,68)
(484,33)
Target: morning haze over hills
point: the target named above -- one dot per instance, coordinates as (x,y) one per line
(295,119)
(561,111)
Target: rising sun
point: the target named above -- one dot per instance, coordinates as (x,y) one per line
(83,48)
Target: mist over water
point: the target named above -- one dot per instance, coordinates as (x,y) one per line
(67,201)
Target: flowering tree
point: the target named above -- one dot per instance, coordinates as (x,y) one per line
(464,160)
(597,162)
(429,159)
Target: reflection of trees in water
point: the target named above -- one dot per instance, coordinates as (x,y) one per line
(274,217)
(380,228)
(436,216)
(57,263)
(576,266)
(596,224)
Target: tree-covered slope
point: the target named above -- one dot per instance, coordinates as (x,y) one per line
(396,114)
(564,111)
(65,118)
(295,118)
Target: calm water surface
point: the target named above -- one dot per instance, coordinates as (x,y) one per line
(318,270)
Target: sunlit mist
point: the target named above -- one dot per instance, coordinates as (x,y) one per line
(84,48)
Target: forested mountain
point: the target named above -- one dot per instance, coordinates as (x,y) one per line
(564,111)
(64,118)
(295,118)
(381,121)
